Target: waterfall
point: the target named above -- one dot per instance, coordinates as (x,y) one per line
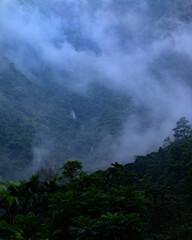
(73,114)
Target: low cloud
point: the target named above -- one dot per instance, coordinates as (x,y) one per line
(123,45)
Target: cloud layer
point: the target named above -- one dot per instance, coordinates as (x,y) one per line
(143,49)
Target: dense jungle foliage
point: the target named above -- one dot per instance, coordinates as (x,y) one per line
(149,199)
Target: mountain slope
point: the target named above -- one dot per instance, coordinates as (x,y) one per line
(39,116)
(167,167)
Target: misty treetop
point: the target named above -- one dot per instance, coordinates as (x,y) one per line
(183,129)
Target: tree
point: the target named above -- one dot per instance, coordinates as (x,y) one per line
(71,169)
(167,142)
(114,226)
(182,130)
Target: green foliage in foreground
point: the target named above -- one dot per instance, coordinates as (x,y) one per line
(101,205)
(151,201)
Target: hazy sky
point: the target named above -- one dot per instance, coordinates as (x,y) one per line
(143,49)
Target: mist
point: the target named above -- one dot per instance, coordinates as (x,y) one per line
(142,49)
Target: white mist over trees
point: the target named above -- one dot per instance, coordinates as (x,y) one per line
(138,49)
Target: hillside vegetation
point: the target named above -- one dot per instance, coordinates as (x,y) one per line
(149,199)
(39,115)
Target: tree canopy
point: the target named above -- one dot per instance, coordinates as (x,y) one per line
(183,129)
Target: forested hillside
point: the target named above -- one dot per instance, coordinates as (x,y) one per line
(46,116)
(149,199)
